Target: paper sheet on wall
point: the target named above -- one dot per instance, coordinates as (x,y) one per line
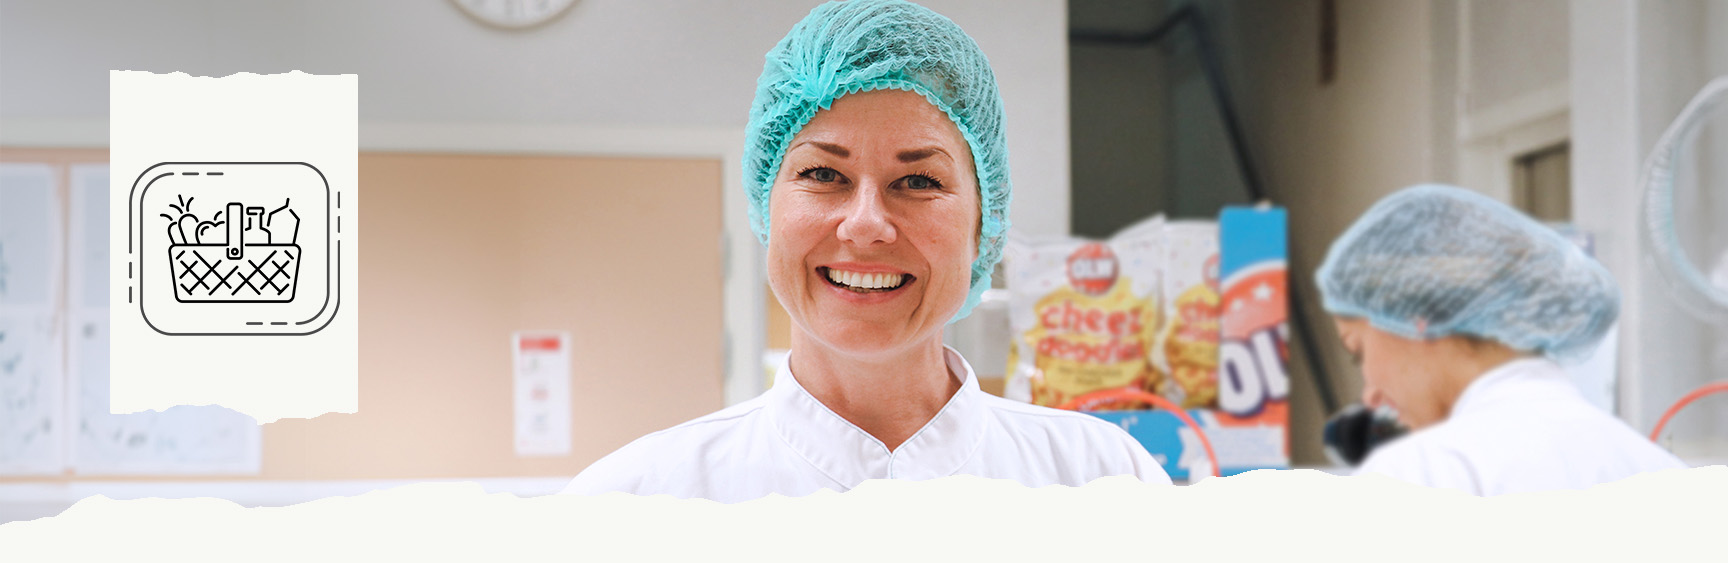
(32,426)
(180,440)
(542,368)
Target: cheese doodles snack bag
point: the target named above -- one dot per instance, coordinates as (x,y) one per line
(1085,315)
(1187,347)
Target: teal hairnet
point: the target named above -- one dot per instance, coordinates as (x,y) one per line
(1430,261)
(862,45)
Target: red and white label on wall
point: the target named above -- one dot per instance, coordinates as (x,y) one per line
(542,393)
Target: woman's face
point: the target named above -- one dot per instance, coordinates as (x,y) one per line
(874,224)
(1398,372)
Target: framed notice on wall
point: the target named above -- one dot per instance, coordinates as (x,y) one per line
(542,393)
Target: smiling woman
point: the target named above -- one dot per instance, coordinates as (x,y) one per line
(873,252)
(877,173)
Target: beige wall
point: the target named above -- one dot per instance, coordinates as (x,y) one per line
(461,251)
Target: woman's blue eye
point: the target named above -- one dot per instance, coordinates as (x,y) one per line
(821,174)
(922,182)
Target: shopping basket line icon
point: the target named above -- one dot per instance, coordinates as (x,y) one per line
(253,260)
(234,248)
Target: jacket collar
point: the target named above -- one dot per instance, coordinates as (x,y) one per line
(848,455)
(1523,380)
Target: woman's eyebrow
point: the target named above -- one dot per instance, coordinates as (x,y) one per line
(915,155)
(830,148)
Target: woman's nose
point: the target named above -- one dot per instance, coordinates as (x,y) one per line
(866,221)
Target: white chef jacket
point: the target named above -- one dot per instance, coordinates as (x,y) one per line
(1523,426)
(787,442)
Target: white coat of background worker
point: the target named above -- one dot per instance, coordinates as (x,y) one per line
(1457,308)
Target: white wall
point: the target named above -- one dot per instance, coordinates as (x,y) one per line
(1634,65)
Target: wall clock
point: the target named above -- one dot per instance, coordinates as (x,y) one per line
(514,14)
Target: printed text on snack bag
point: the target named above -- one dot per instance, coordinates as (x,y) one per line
(1252,373)
(1120,327)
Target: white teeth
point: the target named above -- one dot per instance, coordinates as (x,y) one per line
(865,281)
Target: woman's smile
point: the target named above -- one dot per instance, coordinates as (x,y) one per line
(863,286)
(864,282)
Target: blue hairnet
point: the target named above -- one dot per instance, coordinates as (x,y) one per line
(863,45)
(1430,261)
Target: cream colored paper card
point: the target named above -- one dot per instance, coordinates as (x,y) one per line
(234,243)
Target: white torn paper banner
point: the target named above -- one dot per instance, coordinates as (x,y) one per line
(1264,515)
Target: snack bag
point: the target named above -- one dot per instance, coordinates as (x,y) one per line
(1084,315)
(1218,349)
(1187,346)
